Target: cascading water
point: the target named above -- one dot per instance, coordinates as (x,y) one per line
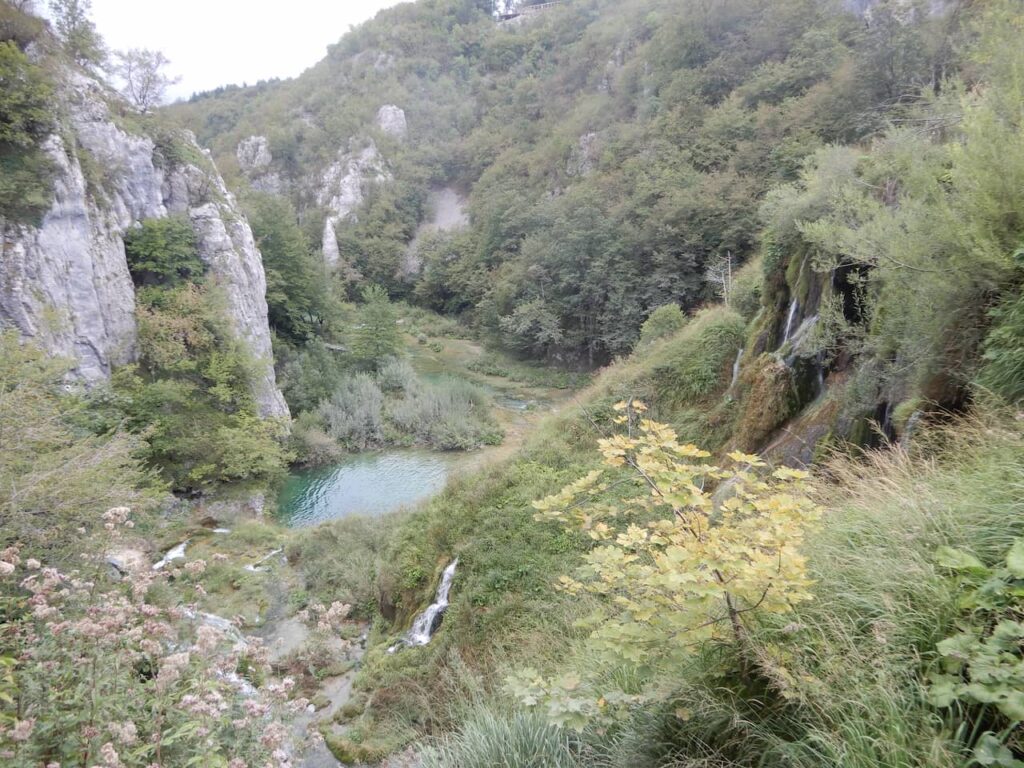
(793,306)
(424,626)
(175,553)
(736,369)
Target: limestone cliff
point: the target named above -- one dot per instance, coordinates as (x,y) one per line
(65,283)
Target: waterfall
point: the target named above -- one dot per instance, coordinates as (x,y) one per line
(736,368)
(175,553)
(426,623)
(257,566)
(910,429)
(789,320)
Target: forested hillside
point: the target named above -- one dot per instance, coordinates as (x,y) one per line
(817,166)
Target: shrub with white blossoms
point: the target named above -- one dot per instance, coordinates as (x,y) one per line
(92,675)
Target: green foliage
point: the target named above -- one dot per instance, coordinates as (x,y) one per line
(449,414)
(489,740)
(1003,351)
(163,252)
(308,377)
(982,663)
(339,561)
(25,96)
(353,415)
(692,366)
(191,396)
(297,294)
(81,40)
(614,148)
(375,337)
(26,117)
(663,321)
(56,476)
(18,26)
(919,232)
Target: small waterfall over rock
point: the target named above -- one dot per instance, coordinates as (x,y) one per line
(175,553)
(736,369)
(793,306)
(427,622)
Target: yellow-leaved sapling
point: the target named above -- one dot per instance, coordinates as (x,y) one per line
(672,571)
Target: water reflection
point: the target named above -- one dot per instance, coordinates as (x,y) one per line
(365,484)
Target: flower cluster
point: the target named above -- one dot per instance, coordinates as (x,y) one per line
(107,679)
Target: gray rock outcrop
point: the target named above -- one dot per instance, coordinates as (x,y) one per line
(341,191)
(391,120)
(253,154)
(65,283)
(254,160)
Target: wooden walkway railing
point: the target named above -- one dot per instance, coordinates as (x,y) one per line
(527,9)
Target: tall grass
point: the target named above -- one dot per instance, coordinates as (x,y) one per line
(490,740)
(839,682)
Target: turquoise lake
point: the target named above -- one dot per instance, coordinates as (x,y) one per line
(364,484)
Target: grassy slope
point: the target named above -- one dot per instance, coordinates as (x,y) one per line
(839,682)
(504,608)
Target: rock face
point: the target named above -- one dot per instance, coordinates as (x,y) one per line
(341,191)
(448,214)
(584,157)
(254,159)
(254,153)
(65,284)
(391,120)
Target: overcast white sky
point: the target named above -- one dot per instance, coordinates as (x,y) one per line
(218,42)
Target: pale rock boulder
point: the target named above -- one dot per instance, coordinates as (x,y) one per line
(341,191)
(253,154)
(584,157)
(391,120)
(254,160)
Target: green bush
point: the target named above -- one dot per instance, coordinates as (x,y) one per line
(26,118)
(55,476)
(664,321)
(354,413)
(191,394)
(519,740)
(163,252)
(339,561)
(1003,351)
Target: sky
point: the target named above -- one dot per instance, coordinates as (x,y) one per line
(220,42)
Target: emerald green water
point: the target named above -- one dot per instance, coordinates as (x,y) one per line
(364,484)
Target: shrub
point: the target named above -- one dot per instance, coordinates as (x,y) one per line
(309,377)
(1003,369)
(339,561)
(375,337)
(103,675)
(519,740)
(191,394)
(163,252)
(25,119)
(353,415)
(311,444)
(450,414)
(664,321)
(55,477)
(694,365)
(396,375)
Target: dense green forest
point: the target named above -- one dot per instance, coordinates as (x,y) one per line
(781,525)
